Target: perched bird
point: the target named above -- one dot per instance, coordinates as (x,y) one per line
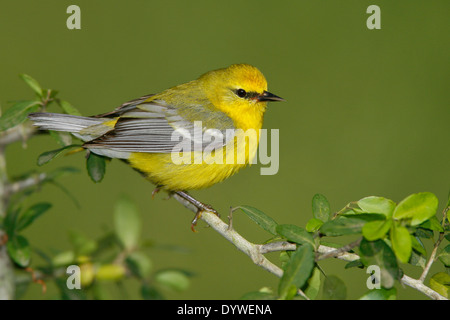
(222,105)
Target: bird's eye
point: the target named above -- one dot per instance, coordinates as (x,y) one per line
(241,93)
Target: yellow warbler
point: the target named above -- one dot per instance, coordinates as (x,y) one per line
(222,105)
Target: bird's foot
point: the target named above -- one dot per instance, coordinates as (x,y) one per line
(200,206)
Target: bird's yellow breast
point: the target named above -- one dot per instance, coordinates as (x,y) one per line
(202,169)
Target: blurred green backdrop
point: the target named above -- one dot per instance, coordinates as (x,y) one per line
(367,113)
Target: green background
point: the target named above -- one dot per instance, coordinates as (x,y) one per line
(367,113)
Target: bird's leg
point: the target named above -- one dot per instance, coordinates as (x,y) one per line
(197,204)
(154,192)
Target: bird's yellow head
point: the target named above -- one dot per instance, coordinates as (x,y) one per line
(239,91)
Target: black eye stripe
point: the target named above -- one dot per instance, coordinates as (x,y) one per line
(241,93)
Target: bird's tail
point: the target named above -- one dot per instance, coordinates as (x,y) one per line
(76,125)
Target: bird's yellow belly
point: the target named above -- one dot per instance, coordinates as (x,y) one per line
(198,171)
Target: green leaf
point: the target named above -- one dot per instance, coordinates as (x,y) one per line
(68,108)
(417,245)
(50,155)
(19,250)
(440,283)
(69,294)
(297,270)
(149,292)
(261,219)
(380,254)
(127,223)
(432,224)
(33,84)
(374,230)
(334,289)
(444,256)
(353,264)
(374,204)
(81,243)
(401,243)
(295,234)
(313,225)
(348,225)
(110,272)
(62,138)
(64,258)
(380,294)
(173,279)
(96,167)
(423,233)
(139,264)
(17,114)
(417,260)
(284,258)
(10,221)
(32,214)
(321,207)
(417,207)
(313,285)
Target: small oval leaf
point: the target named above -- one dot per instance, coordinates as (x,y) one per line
(96,167)
(417,207)
(173,279)
(401,243)
(297,270)
(380,294)
(17,114)
(32,214)
(295,234)
(47,156)
(374,204)
(374,230)
(33,84)
(68,108)
(440,282)
(321,207)
(261,219)
(19,250)
(334,289)
(127,223)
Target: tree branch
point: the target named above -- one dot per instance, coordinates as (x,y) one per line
(256,251)
(338,252)
(432,257)
(21,132)
(7,286)
(17,186)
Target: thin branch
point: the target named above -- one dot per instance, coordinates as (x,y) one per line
(345,256)
(432,257)
(338,252)
(21,185)
(18,133)
(436,245)
(256,251)
(277,246)
(7,286)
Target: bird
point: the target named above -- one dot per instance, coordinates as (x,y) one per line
(222,105)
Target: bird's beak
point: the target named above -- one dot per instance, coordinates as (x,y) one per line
(267,96)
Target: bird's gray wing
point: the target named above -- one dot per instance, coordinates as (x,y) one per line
(157,127)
